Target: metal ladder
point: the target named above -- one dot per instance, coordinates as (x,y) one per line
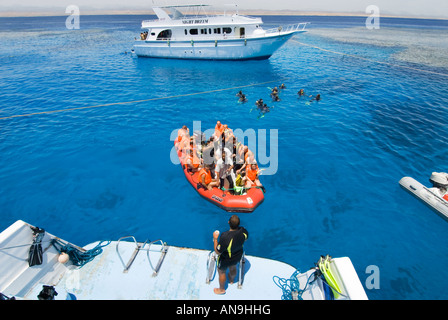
(211,268)
(140,247)
(241,272)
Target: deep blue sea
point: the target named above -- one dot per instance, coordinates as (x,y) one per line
(105,172)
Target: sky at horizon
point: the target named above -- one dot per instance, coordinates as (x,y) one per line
(418,8)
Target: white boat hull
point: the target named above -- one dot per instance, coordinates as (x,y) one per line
(426,195)
(225,49)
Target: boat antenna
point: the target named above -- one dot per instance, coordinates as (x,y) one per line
(231,5)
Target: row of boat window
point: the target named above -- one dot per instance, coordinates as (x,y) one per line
(193,32)
(166,34)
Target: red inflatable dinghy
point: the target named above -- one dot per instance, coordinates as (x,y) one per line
(247,202)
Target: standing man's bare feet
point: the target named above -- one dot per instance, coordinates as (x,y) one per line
(219,291)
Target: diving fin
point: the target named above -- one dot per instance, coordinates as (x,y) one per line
(35,255)
(324,267)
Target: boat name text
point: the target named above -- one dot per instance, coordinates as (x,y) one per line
(195,21)
(217,198)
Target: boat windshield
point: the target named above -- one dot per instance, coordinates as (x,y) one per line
(164,34)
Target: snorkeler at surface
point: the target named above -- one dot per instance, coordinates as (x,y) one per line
(242,98)
(259,102)
(264,108)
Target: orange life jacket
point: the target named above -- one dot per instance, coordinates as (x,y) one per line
(181,133)
(247,155)
(195,162)
(184,142)
(445,197)
(207,178)
(219,130)
(252,174)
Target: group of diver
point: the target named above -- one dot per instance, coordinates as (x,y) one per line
(301,94)
(264,108)
(143,35)
(221,161)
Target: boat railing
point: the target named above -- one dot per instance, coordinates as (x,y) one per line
(241,272)
(288,28)
(212,265)
(139,247)
(163,250)
(189,17)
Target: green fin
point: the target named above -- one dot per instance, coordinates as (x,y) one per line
(324,267)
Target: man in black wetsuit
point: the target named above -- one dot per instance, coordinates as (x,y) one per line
(230,250)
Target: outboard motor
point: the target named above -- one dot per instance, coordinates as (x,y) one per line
(439,179)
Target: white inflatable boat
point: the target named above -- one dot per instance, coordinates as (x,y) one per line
(430,196)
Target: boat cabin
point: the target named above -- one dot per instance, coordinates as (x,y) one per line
(198,26)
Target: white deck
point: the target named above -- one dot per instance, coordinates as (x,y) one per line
(182,275)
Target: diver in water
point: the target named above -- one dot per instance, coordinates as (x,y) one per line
(259,102)
(282,86)
(274,94)
(316,98)
(301,93)
(263,110)
(242,98)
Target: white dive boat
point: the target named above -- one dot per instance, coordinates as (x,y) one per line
(196,35)
(32,267)
(436,197)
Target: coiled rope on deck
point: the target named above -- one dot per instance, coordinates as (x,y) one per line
(291,287)
(77,257)
(139,101)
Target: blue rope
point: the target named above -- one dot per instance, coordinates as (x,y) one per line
(291,285)
(78,257)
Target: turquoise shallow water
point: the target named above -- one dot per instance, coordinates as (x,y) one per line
(102,173)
